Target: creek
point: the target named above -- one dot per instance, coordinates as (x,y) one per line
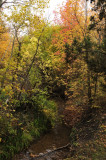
(57,137)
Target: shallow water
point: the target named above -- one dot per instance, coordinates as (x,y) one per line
(55,138)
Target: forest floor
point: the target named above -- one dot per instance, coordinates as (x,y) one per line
(89,134)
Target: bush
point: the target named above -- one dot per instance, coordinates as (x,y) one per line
(21,126)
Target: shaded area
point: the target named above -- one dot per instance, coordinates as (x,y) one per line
(55,138)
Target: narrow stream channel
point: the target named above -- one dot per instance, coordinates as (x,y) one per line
(55,138)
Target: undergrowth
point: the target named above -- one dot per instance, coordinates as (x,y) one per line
(21,124)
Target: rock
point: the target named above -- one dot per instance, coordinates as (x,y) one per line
(41,154)
(48,150)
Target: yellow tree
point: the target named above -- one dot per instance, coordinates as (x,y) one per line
(24,20)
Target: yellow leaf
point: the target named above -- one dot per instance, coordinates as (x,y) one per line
(7,115)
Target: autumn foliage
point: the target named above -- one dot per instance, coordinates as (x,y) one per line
(40,61)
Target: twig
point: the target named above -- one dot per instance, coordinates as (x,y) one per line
(50,152)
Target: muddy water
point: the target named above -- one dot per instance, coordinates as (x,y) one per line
(55,138)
